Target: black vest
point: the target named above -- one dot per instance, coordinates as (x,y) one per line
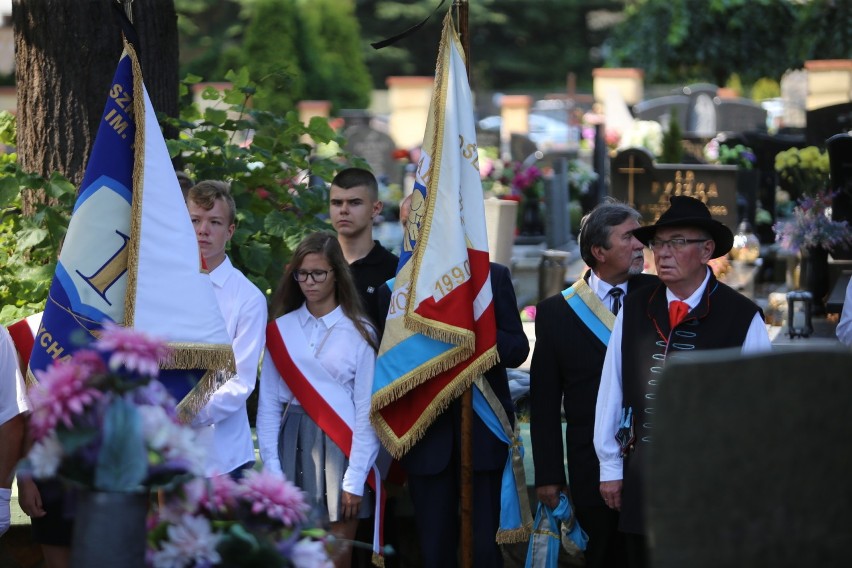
(720,320)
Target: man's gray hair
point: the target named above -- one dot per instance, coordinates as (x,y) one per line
(595,228)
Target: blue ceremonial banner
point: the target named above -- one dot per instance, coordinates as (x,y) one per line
(130,255)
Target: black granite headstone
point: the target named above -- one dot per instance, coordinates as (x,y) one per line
(701,113)
(647,186)
(740,115)
(661,109)
(749,464)
(823,123)
(839,149)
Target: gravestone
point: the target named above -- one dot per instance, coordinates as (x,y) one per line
(487,138)
(748,466)
(647,186)
(521,147)
(701,110)
(740,115)
(701,113)
(839,149)
(794,93)
(661,109)
(557,218)
(825,122)
(376,148)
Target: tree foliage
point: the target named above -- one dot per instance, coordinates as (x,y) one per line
(277,179)
(708,40)
(270,52)
(331,55)
(295,49)
(513,44)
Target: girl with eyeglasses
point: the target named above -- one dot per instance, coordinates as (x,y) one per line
(313,420)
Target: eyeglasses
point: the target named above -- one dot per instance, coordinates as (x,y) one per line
(318,276)
(676,244)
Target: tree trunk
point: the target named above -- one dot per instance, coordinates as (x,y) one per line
(65,57)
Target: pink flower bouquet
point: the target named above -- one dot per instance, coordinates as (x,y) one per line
(260,520)
(101,420)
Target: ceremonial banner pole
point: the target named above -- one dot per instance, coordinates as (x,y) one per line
(466,469)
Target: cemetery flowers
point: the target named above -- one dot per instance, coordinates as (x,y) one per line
(810,226)
(102,420)
(802,172)
(717,151)
(260,520)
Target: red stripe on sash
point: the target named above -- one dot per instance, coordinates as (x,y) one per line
(22,337)
(317,408)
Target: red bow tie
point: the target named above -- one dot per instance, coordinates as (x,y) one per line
(677,311)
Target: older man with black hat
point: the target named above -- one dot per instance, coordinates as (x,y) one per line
(689,310)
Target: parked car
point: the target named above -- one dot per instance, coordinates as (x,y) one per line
(547,133)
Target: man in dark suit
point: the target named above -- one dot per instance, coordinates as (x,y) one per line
(572,329)
(433,463)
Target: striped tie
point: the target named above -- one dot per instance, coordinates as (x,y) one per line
(616,299)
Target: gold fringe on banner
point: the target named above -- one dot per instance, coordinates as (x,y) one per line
(138,183)
(199,356)
(221,365)
(397,446)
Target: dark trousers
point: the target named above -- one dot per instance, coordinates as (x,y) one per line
(606,547)
(436,501)
(637,550)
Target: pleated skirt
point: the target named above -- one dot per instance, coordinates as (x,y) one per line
(311,460)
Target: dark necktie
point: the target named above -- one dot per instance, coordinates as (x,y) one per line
(616,299)
(677,311)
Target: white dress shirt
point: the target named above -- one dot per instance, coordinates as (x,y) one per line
(349,359)
(601,289)
(13,392)
(222,425)
(609,404)
(844,326)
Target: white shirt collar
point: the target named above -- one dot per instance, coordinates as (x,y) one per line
(601,288)
(695,298)
(220,274)
(328,320)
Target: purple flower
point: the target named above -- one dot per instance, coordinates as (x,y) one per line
(309,553)
(273,496)
(133,350)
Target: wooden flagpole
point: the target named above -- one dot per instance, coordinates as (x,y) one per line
(466,469)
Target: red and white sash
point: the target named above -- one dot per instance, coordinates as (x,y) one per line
(23,334)
(323,400)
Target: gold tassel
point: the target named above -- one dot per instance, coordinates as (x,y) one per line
(513,536)
(197,398)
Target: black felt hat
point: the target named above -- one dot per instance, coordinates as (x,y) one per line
(689,212)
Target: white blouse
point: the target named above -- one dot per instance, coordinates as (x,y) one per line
(348,358)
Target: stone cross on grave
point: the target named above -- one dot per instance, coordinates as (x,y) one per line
(631,170)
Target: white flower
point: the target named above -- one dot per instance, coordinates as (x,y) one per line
(190,543)
(171,440)
(45,456)
(309,553)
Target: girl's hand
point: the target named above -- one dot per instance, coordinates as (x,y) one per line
(350,506)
